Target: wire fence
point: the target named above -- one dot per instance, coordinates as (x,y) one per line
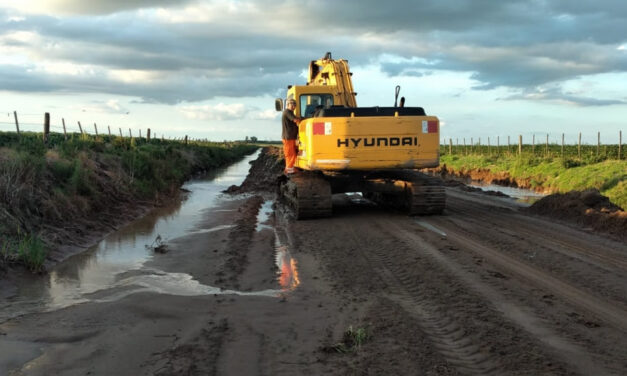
(14,122)
(534,146)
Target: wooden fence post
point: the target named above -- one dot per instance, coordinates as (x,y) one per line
(465,148)
(148,135)
(498,151)
(80,128)
(121,132)
(598,143)
(519,144)
(546,148)
(96,129)
(130,134)
(450,146)
(109,128)
(64,130)
(489,150)
(46,126)
(17,124)
(620,144)
(562,145)
(579,147)
(533,144)
(508,143)
(185,139)
(472,142)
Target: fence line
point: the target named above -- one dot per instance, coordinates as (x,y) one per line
(609,150)
(46,127)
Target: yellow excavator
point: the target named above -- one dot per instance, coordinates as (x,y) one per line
(372,150)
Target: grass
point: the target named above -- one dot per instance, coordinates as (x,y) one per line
(352,340)
(44,186)
(552,173)
(28,250)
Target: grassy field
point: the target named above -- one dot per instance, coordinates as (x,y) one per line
(548,170)
(62,183)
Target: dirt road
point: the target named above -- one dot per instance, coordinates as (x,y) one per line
(484,289)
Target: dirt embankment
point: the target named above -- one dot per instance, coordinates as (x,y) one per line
(69,203)
(483,175)
(585,208)
(263,172)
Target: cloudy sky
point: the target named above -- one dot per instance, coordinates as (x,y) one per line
(211,69)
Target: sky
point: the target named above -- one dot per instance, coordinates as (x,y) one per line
(211,69)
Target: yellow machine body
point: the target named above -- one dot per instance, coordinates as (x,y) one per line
(365,143)
(346,148)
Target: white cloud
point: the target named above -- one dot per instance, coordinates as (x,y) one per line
(111,106)
(219,111)
(268,114)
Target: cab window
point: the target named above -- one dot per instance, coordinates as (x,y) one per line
(309,103)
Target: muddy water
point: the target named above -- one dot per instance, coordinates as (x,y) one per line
(114,268)
(521,195)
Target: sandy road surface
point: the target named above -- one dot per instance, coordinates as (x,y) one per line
(482,290)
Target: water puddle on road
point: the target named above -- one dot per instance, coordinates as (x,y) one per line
(264,215)
(113,268)
(520,194)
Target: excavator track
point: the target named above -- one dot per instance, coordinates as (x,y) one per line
(427,195)
(417,194)
(307,193)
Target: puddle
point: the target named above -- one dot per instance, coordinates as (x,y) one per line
(264,215)
(113,268)
(520,194)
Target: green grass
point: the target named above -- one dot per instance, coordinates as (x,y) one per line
(552,173)
(28,250)
(352,340)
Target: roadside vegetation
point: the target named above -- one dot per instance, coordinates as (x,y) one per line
(57,192)
(547,170)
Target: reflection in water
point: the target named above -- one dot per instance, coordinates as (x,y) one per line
(264,214)
(114,267)
(288,270)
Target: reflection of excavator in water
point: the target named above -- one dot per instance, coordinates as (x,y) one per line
(345,148)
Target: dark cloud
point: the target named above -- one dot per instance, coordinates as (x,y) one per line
(517,44)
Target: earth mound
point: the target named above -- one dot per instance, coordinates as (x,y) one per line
(588,208)
(263,172)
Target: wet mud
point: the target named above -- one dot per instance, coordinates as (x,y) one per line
(484,289)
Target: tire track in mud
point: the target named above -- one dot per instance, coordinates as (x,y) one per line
(570,352)
(613,314)
(240,238)
(577,267)
(447,335)
(610,258)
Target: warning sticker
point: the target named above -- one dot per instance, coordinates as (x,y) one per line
(322,128)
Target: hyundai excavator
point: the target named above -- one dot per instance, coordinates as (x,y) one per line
(344,148)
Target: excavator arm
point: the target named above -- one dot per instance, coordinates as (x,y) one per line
(329,72)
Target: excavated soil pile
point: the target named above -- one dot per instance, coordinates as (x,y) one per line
(501,178)
(263,172)
(588,208)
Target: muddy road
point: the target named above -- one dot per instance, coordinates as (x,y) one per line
(484,289)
